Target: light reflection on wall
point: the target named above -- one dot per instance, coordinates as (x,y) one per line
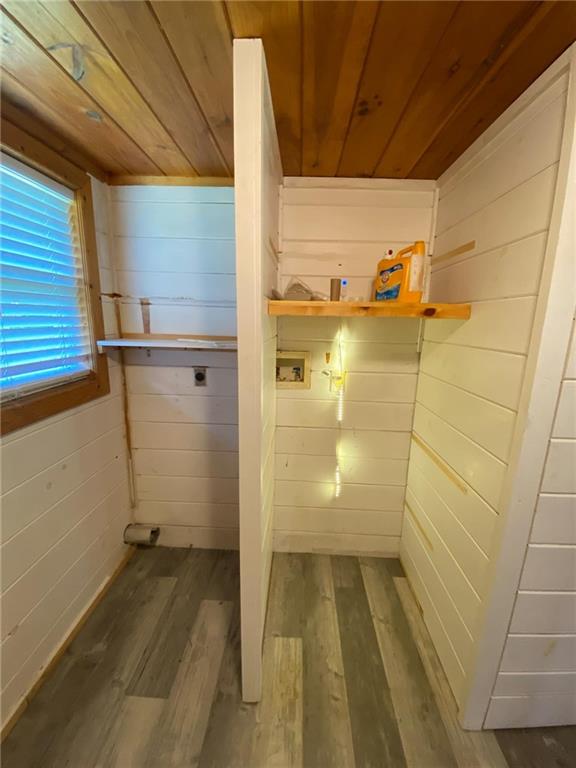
(337,385)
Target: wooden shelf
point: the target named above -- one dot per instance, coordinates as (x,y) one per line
(368,309)
(228,344)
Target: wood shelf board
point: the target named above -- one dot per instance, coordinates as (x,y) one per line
(195,344)
(369,309)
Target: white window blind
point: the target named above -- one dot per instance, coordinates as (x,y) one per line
(44,323)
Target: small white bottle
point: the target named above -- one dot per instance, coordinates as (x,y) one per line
(343,289)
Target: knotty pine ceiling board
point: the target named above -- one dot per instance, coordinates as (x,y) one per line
(404,38)
(552,31)
(132,34)
(279,25)
(200,36)
(360,88)
(51,91)
(336,37)
(471,43)
(39,130)
(68,39)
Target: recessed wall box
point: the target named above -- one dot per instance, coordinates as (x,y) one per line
(292,370)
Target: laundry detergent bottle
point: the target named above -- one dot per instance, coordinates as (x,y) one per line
(401,277)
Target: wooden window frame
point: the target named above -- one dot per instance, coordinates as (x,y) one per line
(29,409)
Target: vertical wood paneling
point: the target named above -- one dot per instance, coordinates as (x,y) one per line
(258,180)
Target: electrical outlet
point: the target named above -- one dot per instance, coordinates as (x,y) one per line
(200,377)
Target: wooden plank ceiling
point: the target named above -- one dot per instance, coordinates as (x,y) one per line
(360,89)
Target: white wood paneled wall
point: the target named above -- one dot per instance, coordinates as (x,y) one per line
(175,247)
(536,683)
(497,197)
(258,176)
(342,228)
(65,503)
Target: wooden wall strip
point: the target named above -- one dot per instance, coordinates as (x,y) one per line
(171,181)
(448,471)
(470,246)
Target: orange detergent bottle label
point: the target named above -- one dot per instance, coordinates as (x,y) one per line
(391,275)
(401,278)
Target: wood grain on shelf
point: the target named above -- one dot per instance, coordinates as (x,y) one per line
(369,309)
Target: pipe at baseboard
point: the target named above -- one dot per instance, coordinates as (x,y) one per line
(141,534)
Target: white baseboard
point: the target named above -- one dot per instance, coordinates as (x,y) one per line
(197,537)
(336,543)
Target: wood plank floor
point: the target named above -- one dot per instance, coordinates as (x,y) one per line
(351,678)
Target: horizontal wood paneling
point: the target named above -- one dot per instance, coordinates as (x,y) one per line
(549,567)
(185,463)
(531,711)
(336,543)
(164,380)
(183,408)
(559,475)
(349,442)
(301,493)
(187,437)
(539,653)
(497,201)
(537,678)
(65,504)
(470,509)
(463,595)
(342,228)
(534,683)
(448,634)
(195,514)
(486,423)
(502,325)
(496,376)
(480,469)
(452,533)
(323,413)
(352,470)
(363,522)
(185,488)
(555,519)
(544,612)
(174,248)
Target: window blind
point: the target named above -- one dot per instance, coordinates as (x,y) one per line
(44,324)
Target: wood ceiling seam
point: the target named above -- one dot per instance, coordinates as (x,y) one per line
(358,86)
(61,30)
(209,131)
(78,83)
(91,45)
(68,76)
(301,27)
(132,33)
(415,88)
(144,99)
(47,109)
(38,130)
(515,42)
(222,3)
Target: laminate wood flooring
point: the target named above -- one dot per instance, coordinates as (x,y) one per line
(351,679)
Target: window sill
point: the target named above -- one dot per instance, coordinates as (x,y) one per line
(24,411)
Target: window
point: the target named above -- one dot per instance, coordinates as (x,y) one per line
(48,358)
